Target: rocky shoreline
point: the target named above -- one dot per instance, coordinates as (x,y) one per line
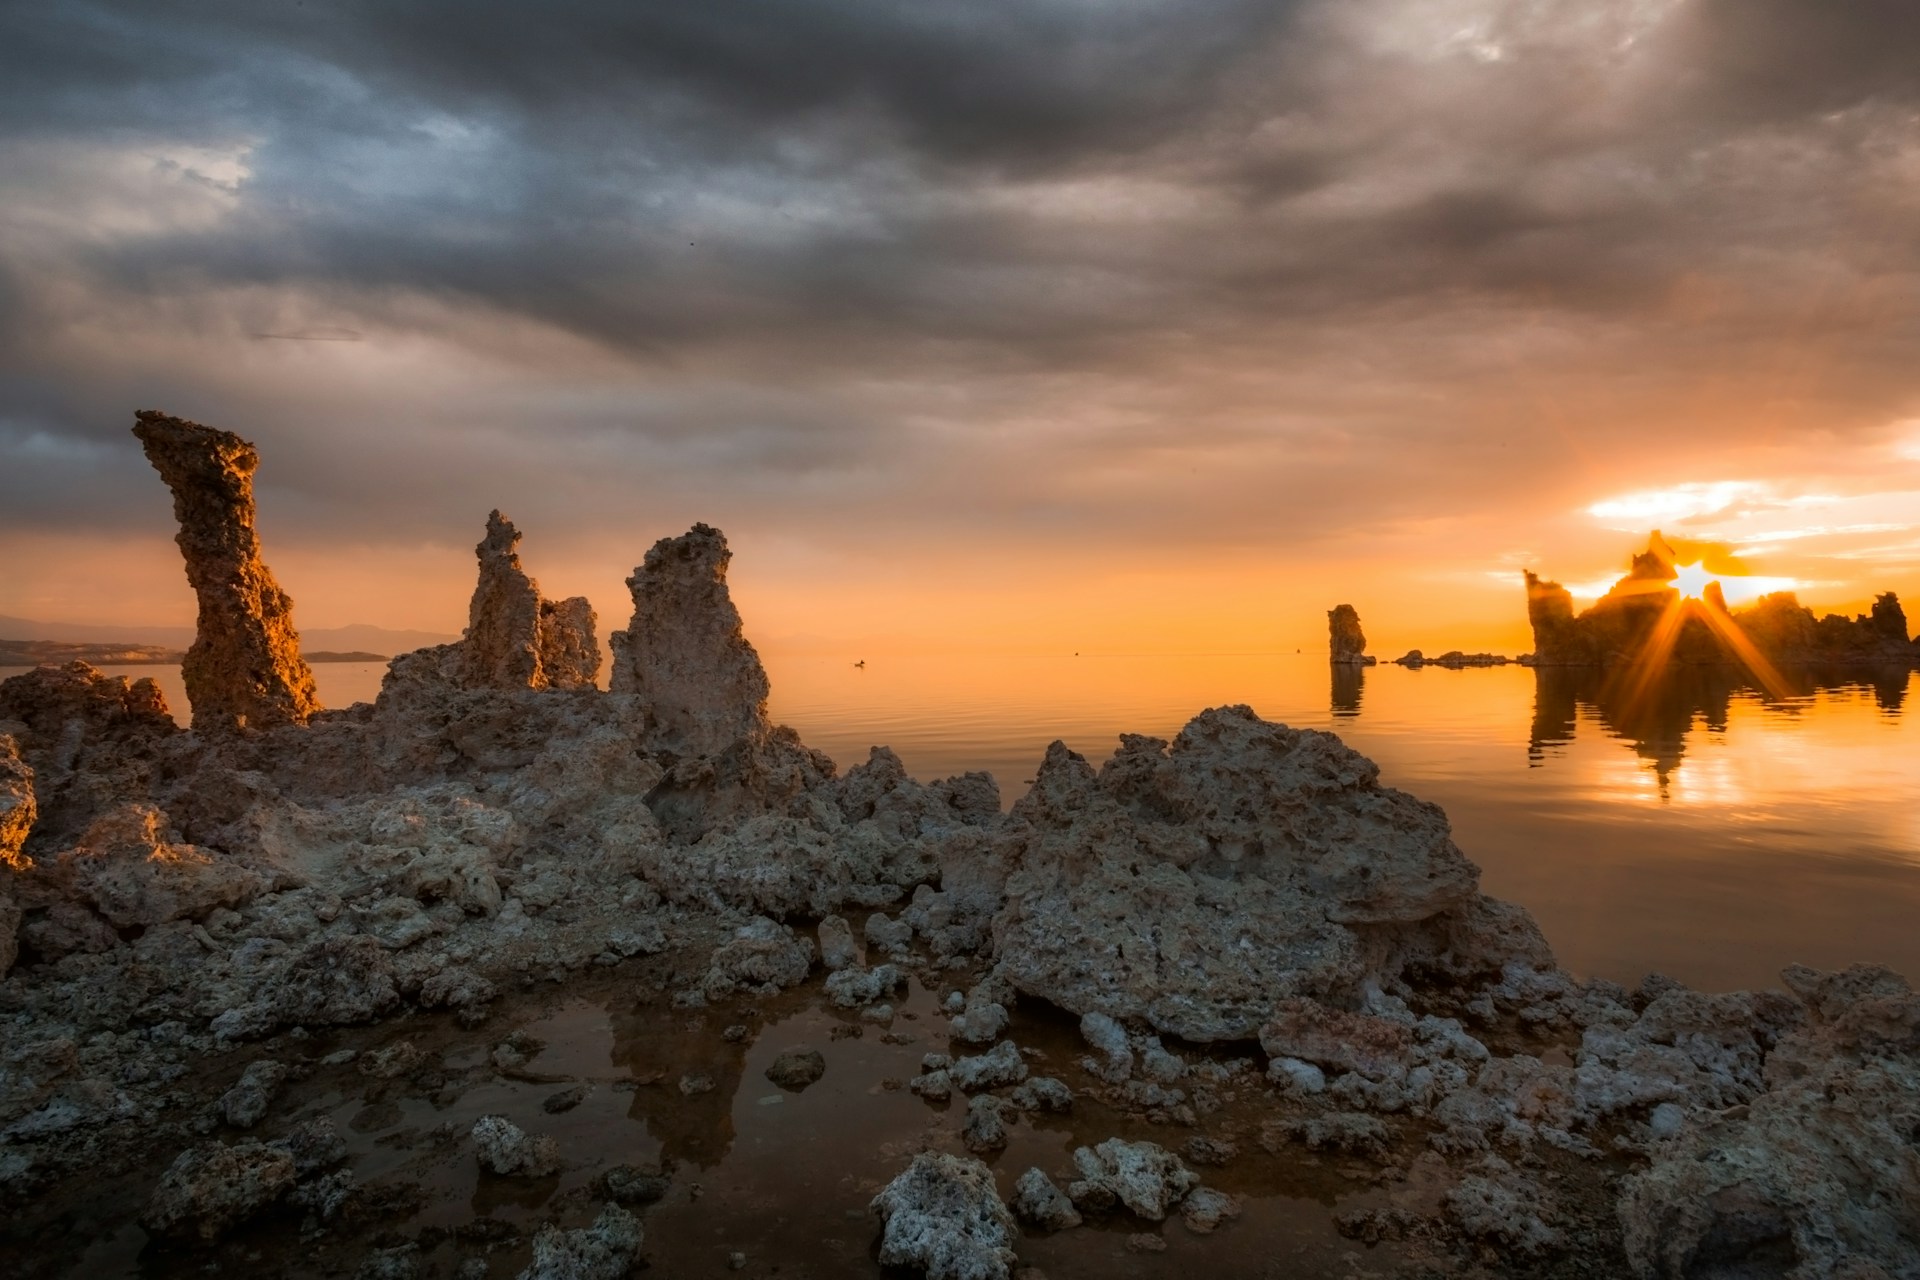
(1217,963)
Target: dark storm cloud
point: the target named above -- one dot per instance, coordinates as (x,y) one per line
(849,261)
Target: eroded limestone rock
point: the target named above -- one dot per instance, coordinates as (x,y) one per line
(244,668)
(515,639)
(606,1250)
(92,742)
(1346,642)
(945,1216)
(208,1190)
(1146,1178)
(697,682)
(1817,1175)
(17,812)
(1196,886)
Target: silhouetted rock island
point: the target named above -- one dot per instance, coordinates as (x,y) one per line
(210,937)
(1644,618)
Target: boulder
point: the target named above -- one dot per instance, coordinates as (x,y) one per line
(797,1068)
(244,669)
(606,1250)
(1036,1200)
(504,1148)
(1146,1178)
(210,1189)
(944,1216)
(1197,885)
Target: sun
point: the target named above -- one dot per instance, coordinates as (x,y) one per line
(1691,580)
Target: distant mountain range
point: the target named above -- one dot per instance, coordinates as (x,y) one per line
(358,639)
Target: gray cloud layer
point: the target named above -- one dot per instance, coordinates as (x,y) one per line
(1216,269)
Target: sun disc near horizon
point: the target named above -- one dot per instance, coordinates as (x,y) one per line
(1692,580)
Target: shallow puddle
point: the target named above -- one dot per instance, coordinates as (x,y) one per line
(763,1180)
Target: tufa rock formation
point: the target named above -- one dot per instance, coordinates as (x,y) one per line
(1346,642)
(179,895)
(515,639)
(699,683)
(244,669)
(1194,886)
(1622,624)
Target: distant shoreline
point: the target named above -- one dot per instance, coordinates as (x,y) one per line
(35,653)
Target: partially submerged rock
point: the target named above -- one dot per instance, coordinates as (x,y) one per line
(1144,1177)
(505,1149)
(244,669)
(1346,642)
(1038,1201)
(210,1189)
(606,1250)
(945,1216)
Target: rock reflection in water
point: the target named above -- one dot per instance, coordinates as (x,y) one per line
(1349,683)
(1657,717)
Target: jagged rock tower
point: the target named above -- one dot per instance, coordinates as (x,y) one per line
(244,669)
(699,682)
(514,638)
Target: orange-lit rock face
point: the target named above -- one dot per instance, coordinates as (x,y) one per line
(245,668)
(516,639)
(17,804)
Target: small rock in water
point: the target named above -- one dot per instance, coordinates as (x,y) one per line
(1001,1066)
(1042,1093)
(1038,1201)
(1205,1209)
(985,1128)
(629,1184)
(837,949)
(797,1068)
(696,1084)
(934,1086)
(506,1149)
(565,1100)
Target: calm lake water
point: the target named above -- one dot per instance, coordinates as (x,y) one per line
(1703,830)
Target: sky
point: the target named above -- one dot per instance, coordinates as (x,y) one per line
(1112,325)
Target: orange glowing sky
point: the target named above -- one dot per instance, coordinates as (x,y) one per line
(1150,327)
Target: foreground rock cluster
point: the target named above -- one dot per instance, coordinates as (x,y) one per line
(1243,920)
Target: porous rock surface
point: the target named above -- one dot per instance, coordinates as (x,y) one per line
(210,1189)
(181,895)
(244,668)
(516,639)
(698,683)
(1197,884)
(944,1216)
(1819,1174)
(606,1250)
